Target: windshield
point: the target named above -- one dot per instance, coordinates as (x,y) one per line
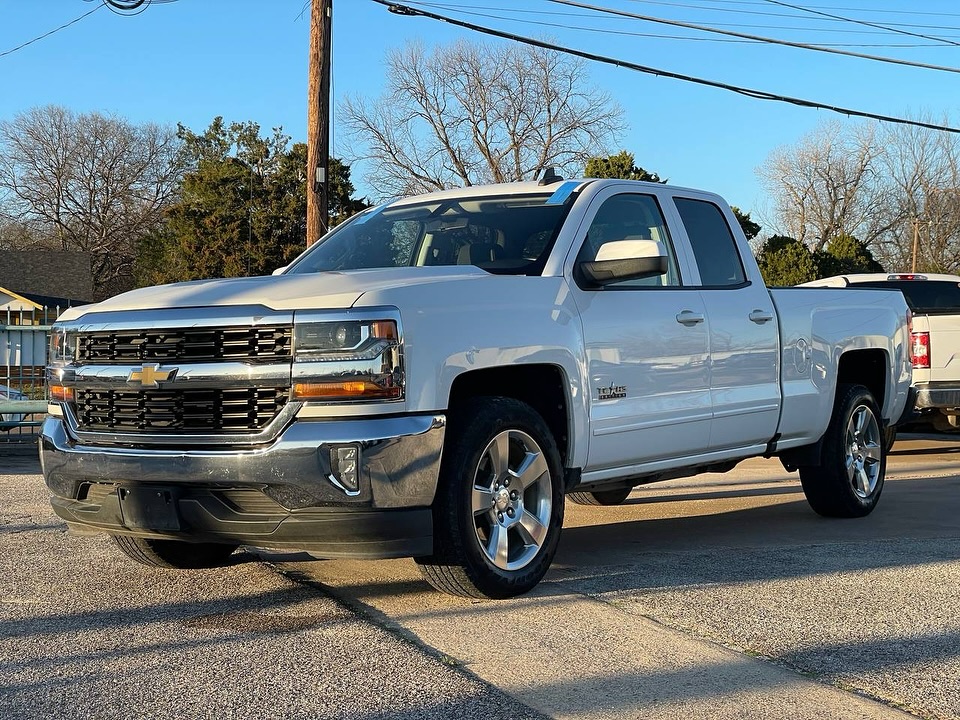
(510,234)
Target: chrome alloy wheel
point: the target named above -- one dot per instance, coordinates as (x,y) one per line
(512,500)
(863,444)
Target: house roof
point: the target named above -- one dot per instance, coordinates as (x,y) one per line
(16,297)
(51,301)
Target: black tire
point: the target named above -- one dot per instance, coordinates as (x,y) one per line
(492,539)
(174,553)
(853,460)
(600,497)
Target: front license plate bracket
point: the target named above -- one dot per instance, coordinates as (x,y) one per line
(149,508)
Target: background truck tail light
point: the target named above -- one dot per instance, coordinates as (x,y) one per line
(920,349)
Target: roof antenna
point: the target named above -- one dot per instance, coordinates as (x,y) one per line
(549,176)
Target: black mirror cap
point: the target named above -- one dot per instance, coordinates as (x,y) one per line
(598,273)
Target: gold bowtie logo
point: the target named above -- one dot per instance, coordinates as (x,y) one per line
(151,375)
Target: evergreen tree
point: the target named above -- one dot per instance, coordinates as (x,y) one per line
(241,207)
(619,166)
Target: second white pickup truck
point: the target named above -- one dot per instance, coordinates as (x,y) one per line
(438,374)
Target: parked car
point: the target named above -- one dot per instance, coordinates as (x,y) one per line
(934,301)
(438,375)
(8,393)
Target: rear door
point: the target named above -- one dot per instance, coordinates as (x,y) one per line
(742,321)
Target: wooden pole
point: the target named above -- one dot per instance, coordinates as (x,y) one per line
(318,120)
(916,243)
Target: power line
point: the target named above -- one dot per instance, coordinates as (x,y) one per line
(758,38)
(791,15)
(861,22)
(748,92)
(48,34)
(607,31)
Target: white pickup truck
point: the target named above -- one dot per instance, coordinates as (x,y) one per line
(934,301)
(435,376)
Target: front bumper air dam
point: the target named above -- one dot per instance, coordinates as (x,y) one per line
(284,495)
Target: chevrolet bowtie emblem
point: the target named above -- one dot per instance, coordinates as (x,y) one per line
(151,376)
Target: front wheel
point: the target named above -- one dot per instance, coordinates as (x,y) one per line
(849,479)
(499,506)
(174,553)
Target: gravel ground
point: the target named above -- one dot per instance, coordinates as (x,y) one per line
(87,633)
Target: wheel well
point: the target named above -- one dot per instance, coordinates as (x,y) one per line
(542,387)
(865,367)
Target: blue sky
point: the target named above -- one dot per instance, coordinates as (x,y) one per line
(190,60)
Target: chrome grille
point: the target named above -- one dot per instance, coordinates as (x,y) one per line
(178,411)
(206,344)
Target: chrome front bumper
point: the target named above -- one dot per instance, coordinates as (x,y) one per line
(298,501)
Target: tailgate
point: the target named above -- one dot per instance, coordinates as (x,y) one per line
(944,345)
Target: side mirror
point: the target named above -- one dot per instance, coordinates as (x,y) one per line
(623,260)
(279,270)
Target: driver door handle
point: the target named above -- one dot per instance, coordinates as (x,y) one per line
(689,318)
(760,317)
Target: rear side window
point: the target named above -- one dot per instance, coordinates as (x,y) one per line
(713,245)
(926,297)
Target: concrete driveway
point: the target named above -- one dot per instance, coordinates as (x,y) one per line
(721,596)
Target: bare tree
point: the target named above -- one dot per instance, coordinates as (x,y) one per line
(924,168)
(885,185)
(829,185)
(88,182)
(472,113)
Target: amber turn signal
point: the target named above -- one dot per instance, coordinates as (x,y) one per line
(60,393)
(350,389)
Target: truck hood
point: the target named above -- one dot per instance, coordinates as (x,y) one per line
(319,291)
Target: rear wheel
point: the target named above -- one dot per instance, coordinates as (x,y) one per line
(499,506)
(849,479)
(600,497)
(174,553)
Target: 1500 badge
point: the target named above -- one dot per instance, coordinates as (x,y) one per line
(613,392)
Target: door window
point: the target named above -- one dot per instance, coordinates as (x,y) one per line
(713,245)
(630,216)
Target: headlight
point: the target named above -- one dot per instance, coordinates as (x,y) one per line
(62,351)
(348,340)
(355,358)
(63,346)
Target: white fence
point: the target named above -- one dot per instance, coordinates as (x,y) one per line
(23,356)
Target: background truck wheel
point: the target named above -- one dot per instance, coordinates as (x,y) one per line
(499,506)
(600,497)
(174,553)
(849,479)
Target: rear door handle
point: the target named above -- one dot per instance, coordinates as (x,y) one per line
(689,318)
(760,317)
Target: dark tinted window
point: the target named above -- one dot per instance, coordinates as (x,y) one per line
(713,245)
(928,297)
(630,216)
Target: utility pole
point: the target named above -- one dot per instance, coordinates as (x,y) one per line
(916,244)
(318,119)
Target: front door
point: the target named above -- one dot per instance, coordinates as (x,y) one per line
(646,347)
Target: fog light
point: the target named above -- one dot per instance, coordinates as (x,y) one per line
(345,462)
